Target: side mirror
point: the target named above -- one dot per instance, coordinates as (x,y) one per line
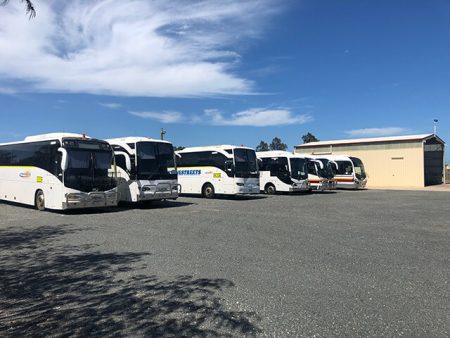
(320,164)
(127,159)
(64,159)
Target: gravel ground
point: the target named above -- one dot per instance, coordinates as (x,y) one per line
(347,263)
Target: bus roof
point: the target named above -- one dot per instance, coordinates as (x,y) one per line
(53,136)
(339,157)
(48,137)
(134,139)
(211,148)
(274,153)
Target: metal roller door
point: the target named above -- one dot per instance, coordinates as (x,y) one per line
(434,162)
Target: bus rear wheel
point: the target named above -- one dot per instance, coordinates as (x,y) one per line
(270,189)
(208,191)
(39,200)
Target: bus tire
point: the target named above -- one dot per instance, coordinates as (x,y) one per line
(39,200)
(208,191)
(270,189)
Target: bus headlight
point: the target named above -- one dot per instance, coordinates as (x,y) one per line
(75,196)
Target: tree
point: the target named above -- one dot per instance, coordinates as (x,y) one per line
(309,138)
(277,144)
(31,11)
(262,146)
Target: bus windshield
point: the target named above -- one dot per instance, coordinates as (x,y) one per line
(245,163)
(360,172)
(299,170)
(327,170)
(87,170)
(345,168)
(154,160)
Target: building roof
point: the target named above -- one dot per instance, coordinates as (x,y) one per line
(420,137)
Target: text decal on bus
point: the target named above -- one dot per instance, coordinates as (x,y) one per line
(193,172)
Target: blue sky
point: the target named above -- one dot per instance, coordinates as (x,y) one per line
(216,72)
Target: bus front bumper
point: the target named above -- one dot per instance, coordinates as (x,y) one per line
(324,185)
(90,200)
(354,184)
(159,191)
(297,187)
(247,189)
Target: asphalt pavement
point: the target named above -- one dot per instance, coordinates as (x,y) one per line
(345,263)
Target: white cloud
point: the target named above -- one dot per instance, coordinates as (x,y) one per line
(368,132)
(163,117)
(165,48)
(111,105)
(256,117)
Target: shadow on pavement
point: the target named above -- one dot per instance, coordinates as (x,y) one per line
(229,197)
(51,289)
(154,205)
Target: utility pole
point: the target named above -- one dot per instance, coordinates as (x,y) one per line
(435,121)
(162,133)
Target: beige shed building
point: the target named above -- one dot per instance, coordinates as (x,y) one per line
(399,161)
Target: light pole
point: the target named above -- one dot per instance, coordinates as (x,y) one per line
(435,121)
(162,133)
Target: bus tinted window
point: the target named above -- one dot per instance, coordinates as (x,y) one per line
(37,154)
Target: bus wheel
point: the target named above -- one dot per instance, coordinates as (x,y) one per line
(208,191)
(39,200)
(270,189)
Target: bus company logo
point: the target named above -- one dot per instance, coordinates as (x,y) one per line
(25,174)
(193,172)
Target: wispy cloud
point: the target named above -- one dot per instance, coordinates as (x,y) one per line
(165,48)
(255,117)
(7,90)
(111,105)
(368,132)
(163,117)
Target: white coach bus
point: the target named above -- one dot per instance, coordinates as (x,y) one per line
(282,171)
(223,169)
(146,169)
(320,173)
(58,171)
(349,171)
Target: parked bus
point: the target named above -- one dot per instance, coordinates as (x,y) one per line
(320,173)
(282,171)
(146,169)
(58,171)
(349,171)
(223,169)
